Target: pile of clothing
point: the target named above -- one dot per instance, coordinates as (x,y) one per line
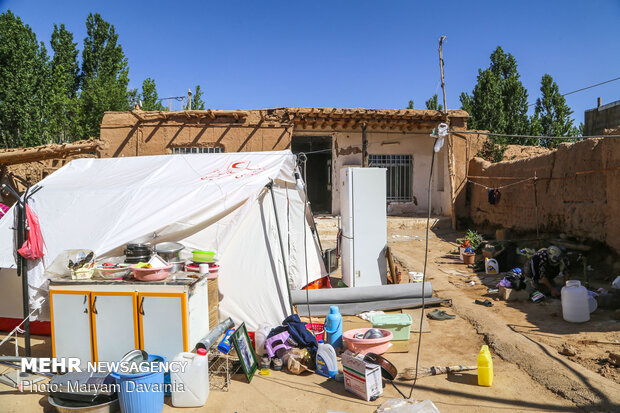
(290,344)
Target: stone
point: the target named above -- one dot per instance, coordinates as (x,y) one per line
(510,294)
(568,350)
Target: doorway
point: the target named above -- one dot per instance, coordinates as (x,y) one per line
(318,170)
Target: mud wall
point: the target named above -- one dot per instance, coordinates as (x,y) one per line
(126,136)
(577,191)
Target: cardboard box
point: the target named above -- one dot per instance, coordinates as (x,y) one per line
(361,378)
(510,294)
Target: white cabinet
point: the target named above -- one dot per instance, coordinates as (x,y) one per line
(163,318)
(102,320)
(114,320)
(71,325)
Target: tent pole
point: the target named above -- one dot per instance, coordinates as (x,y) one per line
(275,212)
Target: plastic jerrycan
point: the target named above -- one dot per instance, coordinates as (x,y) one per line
(333,327)
(326,361)
(190,386)
(485,367)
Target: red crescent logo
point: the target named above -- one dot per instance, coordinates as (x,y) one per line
(235,165)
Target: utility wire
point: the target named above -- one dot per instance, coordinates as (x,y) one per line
(584,88)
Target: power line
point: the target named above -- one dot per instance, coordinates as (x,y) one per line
(531,136)
(584,88)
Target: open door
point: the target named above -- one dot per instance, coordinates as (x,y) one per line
(318,170)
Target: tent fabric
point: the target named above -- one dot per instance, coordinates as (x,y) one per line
(205,201)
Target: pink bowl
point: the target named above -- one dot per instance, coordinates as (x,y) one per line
(151,274)
(372,345)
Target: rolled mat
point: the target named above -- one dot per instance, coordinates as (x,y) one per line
(357,308)
(362,294)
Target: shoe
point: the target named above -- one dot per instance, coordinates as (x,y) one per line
(265,362)
(485,303)
(276,364)
(440,315)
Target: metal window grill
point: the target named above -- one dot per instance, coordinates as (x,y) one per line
(399,175)
(194,149)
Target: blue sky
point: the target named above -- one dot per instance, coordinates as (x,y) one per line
(374,54)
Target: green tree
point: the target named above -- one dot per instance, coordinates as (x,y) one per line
(552,116)
(104,75)
(24,80)
(433,103)
(410,105)
(149,97)
(498,102)
(197,102)
(62,103)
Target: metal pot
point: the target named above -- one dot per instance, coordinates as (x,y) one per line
(169,251)
(63,406)
(176,266)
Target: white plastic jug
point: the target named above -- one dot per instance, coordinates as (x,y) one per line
(190,388)
(491,266)
(259,338)
(326,361)
(575,306)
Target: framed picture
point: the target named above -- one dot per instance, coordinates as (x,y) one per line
(245,351)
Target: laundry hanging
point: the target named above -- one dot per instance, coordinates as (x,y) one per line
(33,247)
(494,196)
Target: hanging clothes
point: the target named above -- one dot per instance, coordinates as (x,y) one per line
(494,196)
(3,209)
(33,247)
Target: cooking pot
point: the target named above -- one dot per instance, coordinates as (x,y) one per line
(169,251)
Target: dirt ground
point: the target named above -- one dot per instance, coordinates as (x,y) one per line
(530,375)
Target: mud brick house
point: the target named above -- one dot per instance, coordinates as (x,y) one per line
(398,140)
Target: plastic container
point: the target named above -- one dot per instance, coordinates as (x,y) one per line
(190,388)
(333,327)
(259,338)
(365,345)
(398,324)
(416,277)
(133,401)
(491,266)
(203,256)
(151,274)
(317,329)
(485,367)
(225,345)
(326,361)
(575,307)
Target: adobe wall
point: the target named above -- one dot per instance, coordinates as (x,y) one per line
(583,205)
(125,136)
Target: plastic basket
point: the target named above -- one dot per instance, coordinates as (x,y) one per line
(398,324)
(317,329)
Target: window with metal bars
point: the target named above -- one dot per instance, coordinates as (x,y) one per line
(399,175)
(194,149)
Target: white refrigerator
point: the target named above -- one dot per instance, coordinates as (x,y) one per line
(364,226)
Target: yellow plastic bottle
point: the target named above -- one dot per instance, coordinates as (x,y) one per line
(485,367)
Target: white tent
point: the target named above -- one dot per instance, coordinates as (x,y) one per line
(205,201)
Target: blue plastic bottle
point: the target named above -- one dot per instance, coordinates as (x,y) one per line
(333,327)
(225,345)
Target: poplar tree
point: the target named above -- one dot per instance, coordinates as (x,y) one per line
(149,96)
(24,79)
(62,108)
(433,103)
(552,116)
(104,76)
(498,102)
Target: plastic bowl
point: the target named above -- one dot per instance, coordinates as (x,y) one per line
(203,256)
(363,346)
(113,273)
(151,274)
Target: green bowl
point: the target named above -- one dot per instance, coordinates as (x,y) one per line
(203,256)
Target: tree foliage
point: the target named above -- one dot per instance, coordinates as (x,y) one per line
(552,116)
(62,105)
(149,97)
(24,81)
(498,102)
(197,103)
(433,103)
(104,75)
(410,106)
